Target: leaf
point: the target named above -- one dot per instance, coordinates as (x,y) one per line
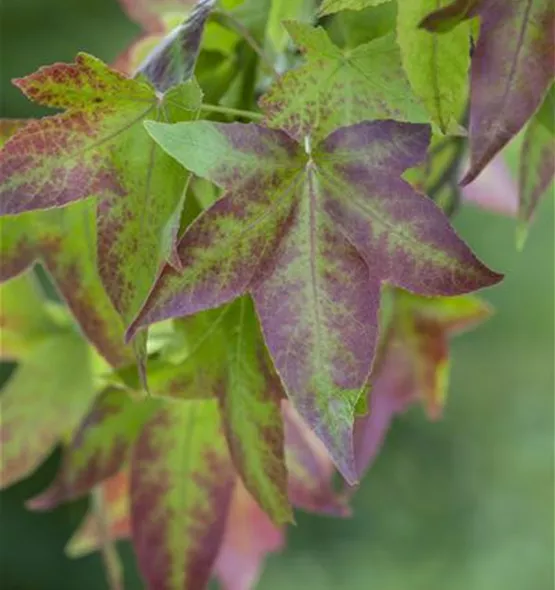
(150,13)
(8,127)
(173,59)
(249,536)
(54,381)
(537,164)
(64,241)
(99,448)
(336,87)
(414,363)
(436,65)
(512,70)
(181,486)
(98,148)
(250,396)
(286,10)
(447,17)
(89,536)
(331,6)
(313,236)
(24,320)
(310,468)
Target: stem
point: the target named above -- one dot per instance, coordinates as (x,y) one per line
(227,18)
(212,108)
(107,546)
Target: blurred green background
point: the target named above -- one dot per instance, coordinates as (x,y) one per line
(463,504)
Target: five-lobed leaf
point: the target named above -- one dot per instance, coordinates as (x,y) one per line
(338,87)
(436,65)
(313,236)
(98,148)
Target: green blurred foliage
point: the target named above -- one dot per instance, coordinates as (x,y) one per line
(462,504)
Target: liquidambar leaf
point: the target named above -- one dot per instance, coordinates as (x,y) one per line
(331,6)
(181,485)
(249,536)
(512,69)
(336,87)
(99,448)
(173,59)
(537,163)
(311,233)
(44,400)
(436,65)
(414,363)
(98,148)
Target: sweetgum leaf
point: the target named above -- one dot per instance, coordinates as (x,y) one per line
(436,65)
(537,163)
(98,148)
(249,536)
(250,397)
(45,399)
(311,236)
(331,6)
(173,60)
(99,448)
(337,87)
(64,241)
(512,69)
(181,485)
(310,468)
(414,363)
(24,319)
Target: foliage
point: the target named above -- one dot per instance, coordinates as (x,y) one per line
(245,306)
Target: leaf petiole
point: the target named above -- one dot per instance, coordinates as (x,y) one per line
(212,108)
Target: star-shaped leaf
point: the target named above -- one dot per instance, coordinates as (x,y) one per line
(311,236)
(98,148)
(339,87)
(512,68)
(436,65)
(414,363)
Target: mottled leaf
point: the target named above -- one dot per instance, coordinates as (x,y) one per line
(99,448)
(181,485)
(512,69)
(249,536)
(331,6)
(336,87)
(537,163)
(313,236)
(64,242)
(98,148)
(43,401)
(413,365)
(436,65)
(310,468)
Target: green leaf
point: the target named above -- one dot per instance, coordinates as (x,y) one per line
(336,88)
(99,448)
(436,65)
(181,485)
(331,6)
(64,241)
(285,10)
(311,236)
(98,148)
(537,163)
(444,19)
(42,402)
